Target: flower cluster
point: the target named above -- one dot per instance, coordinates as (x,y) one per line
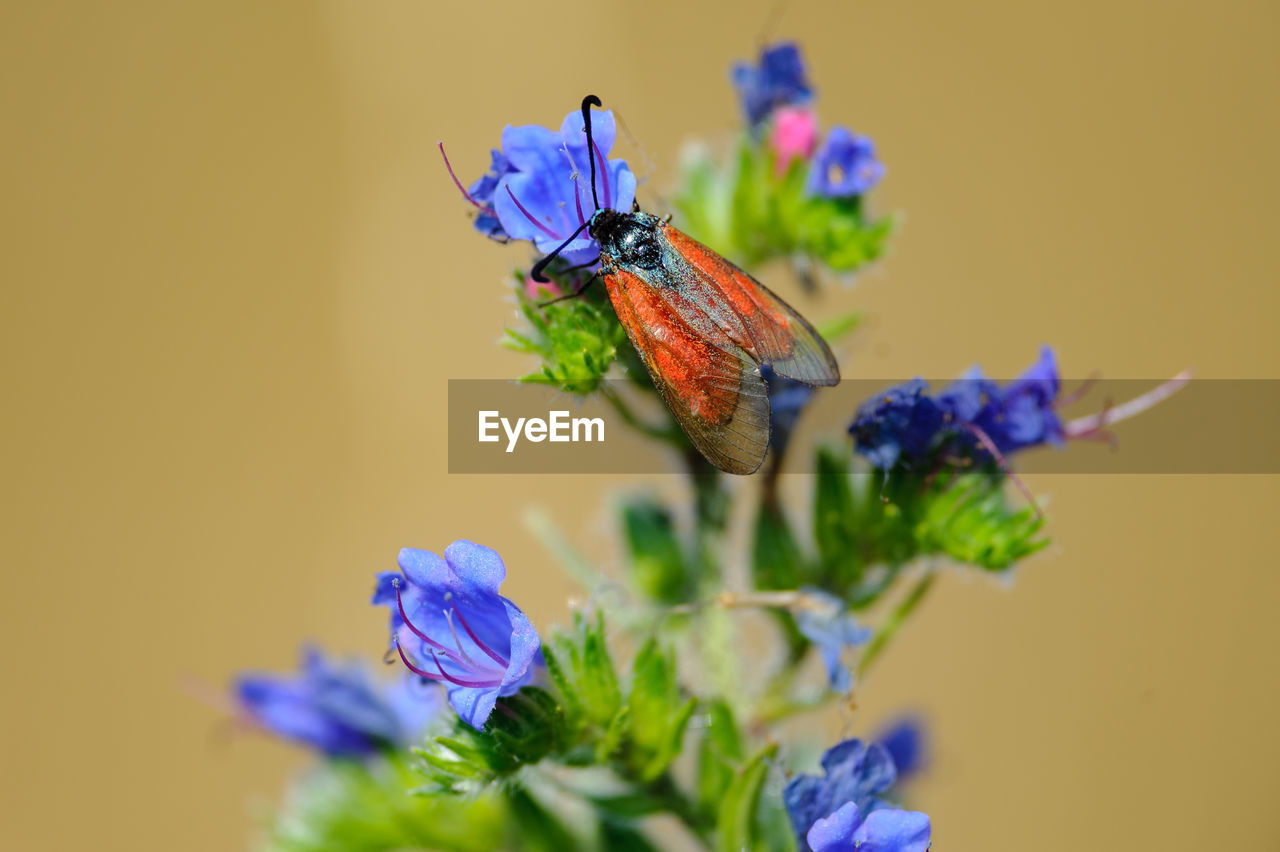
(790,192)
(776,96)
(973,416)
(337,709)
(687,724)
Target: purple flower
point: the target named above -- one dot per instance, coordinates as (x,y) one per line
(844,165)
(853,773)
(450,625)
(848,829)
(338,710)
(832,629)
(544,194)
(779,80)
(906,424)
(481,193)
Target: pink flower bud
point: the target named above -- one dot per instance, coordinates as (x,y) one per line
(794,135)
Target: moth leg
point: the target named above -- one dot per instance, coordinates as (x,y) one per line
(576,293)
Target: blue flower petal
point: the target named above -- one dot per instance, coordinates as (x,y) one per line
(337,710)
(835,832)
(832,629)
(853,772)
(891,830)
(476,566)
(844,165)
(546,195)
(779,80)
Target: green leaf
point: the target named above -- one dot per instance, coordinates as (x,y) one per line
(576,340)
(968,518)
(720,754)
(369,808)
(658,712)
(583,671)
(737,827)
(655,554)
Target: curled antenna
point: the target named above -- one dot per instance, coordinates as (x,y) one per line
(536,272)
(586,126)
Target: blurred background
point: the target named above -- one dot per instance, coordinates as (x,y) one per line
(236,278)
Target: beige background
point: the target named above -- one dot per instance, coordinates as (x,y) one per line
(235,280)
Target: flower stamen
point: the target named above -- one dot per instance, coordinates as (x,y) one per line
(990,446)
(529,216)
(458,183)
(604,175)
(493,655)
(415,630)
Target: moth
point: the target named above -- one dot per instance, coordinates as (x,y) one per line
(702,327)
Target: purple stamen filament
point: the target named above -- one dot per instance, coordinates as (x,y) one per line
(459,656)
(529,216)
(1085,426)
(448,616)
(990,446)
(420,672)
(577,202)
(493,655)
(487,677)
(604,174)
(458,183)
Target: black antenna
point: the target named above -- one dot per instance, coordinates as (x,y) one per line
(536,272)
(591,145)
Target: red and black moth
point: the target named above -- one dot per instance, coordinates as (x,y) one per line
(702,326)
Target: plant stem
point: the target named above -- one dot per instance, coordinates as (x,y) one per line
(895,621)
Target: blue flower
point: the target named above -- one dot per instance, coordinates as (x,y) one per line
(844,165)
(544,194)
(450,625)
(830,627)
(481,193)
(780,80)
(900,423)
(1022,413)
(904,739)
(848,829)
(852,772)
(906,424)
(337,710)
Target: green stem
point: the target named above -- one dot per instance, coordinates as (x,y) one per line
(895,621)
